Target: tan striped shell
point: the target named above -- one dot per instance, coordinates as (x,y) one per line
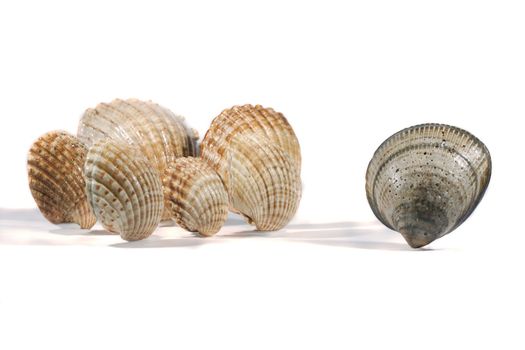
(256,153)
(196,196)
(255,121)
(55,170)
(124,190)
(159,134)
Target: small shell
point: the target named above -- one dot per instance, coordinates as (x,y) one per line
(125,191)
(160,135)
(424,181)
(262,183)
(196,196)
(55,168)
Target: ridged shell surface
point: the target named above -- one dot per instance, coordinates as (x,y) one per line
(196,196)
(424,181)
(55,170)
(262,183)
(254,121)
(125,191)
(159,134)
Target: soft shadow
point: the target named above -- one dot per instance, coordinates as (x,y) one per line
(365,244)
(331,225)
(20,215)
(246,234)
(359,235)
(235,220)
(165,243)
(75,230)
(168,223)
(371,236)
(308,231)
(101,233)
(23,218)
(69,231)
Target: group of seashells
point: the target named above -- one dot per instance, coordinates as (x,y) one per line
(134,163)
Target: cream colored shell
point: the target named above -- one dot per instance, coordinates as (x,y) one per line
(124,190)
(159,134)
(55,169)
(256,153)
(196,196)
(254,121)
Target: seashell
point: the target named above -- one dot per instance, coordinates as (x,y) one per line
(264,185)
(424,181)
(196,196)
(159,134)
(124,190)
(256,153)
(257,121)
(55,170)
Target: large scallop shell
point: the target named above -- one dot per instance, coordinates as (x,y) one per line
(256,153)
(424,181)
(55,168)
(160,135)
(196,196)
(125,191)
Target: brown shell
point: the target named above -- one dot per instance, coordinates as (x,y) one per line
(159,134)
(256,153)
(55,169)
(124,190)
(196,196)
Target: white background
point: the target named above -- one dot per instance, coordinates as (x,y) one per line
(347,75)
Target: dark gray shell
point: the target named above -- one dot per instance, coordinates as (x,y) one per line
(424,181)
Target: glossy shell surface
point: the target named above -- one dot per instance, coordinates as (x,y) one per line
(55,170)
(158,133)
(257,155)
(424,181)
(196,196)
(124,189)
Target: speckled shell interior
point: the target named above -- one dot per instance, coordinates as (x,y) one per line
(196,196)
(424,181)
(159,134)
(256,153)
(55,170)
(124,189)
